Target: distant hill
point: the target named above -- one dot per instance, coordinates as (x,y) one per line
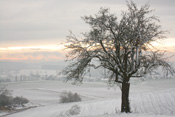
(11,65)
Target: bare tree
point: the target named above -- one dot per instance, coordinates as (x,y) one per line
(121,46)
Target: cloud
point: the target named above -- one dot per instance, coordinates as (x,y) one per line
(38,22)
(47,19)
(35,53)
(33,56)
(44,19)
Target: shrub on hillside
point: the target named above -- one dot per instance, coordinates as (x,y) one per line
(73,111)
(19,101)
(7,102)
(5,97)
(67,97)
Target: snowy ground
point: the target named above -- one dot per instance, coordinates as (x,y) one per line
(152,98)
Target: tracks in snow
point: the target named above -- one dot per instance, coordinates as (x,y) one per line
(159,103)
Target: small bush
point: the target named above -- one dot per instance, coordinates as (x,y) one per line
(74,110)
(20,101)
(5,97)
(7,102)
(67,97)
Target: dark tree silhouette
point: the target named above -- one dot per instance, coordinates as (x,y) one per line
(121,46)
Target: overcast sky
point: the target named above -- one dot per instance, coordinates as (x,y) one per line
(27,26)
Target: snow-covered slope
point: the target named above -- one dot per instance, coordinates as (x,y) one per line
(148,99)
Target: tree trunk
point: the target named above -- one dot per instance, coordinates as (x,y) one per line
(125,106)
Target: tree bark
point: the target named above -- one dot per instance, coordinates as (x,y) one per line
(125,106)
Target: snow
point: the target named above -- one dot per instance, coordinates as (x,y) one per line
(151,98)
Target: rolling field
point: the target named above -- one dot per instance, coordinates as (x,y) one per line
(148,98)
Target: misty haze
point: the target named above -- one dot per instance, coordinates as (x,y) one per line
(87,58)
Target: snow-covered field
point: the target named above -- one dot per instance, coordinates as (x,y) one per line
(151,98)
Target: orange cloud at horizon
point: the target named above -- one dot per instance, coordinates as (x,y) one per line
(167,44)
(57,52)
(32,57)
(32,53)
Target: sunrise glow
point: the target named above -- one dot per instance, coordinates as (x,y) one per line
(40,47)
(30,53)
(58,52)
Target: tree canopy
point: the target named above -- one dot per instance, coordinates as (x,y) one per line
(122,46)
